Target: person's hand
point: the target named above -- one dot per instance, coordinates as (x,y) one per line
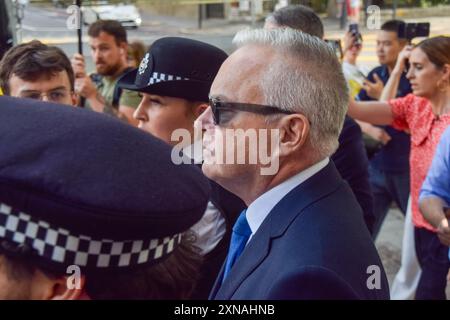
(78,65)
(85,87)
(443,232)
(402,59)
(349,41)
(374,89)
(379,134)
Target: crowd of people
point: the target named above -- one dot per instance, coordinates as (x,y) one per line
(96,187)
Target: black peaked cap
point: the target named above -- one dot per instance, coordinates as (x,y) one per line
(176,67)
(94,175)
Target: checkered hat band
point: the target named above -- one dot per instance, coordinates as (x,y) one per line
(61,246)
(160,77)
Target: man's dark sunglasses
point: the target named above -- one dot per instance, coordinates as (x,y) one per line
(217,106)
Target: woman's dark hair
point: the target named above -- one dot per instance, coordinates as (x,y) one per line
(136,51)
(437,50)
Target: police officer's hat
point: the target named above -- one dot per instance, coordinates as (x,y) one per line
(82,188)
(176,67)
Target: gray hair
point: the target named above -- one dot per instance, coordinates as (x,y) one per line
(298,17)
(307,78)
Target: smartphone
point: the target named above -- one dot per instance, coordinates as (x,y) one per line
(353,28)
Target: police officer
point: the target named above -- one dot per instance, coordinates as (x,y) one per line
(175,77)
(78,222)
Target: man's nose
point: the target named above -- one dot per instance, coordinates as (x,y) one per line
(205,120)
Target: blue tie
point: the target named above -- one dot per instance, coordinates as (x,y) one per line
(239,237)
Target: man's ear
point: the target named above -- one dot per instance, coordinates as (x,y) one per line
(44,287)
(294,131)
(199,109)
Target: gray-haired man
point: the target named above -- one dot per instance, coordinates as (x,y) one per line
(350,157)
(302,236)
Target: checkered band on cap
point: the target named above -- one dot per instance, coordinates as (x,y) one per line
(160,77)
(61,246)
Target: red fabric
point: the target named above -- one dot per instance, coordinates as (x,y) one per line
(415,114)
(349,8)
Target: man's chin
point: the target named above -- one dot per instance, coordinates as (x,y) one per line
(220,172)
(103,70)
(209,170)
(100,70)
(214,172)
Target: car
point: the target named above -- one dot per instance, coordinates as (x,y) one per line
(127,14)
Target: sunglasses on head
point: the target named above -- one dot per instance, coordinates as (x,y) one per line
(218,107)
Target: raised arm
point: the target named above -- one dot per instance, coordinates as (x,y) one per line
(391,87)
(374,112)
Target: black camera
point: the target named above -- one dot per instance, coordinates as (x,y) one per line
(354,30)
(410,31)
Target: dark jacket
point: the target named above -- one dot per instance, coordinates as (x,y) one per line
(352,163)
(312,245)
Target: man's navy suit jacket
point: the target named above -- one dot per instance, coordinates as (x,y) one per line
(312,245)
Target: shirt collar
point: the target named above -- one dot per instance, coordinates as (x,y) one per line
(259,209)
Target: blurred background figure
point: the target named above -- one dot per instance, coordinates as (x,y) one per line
(354,74)
(36,71)
(136,51)
(388,147)
(354,8)
(109,50)
(425,114)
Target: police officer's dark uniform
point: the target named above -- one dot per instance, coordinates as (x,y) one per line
(81,188)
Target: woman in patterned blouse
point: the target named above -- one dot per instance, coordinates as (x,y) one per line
(425,114)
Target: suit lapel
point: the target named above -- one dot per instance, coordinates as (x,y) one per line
(217,283)
(318,186)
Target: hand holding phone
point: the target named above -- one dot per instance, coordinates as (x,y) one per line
(354,30)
